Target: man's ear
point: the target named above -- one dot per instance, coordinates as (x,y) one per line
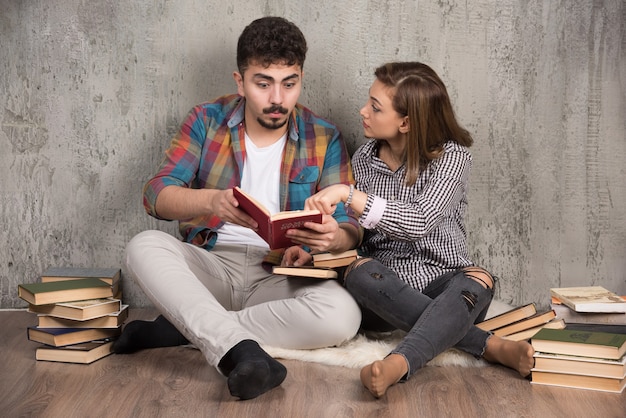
(239,80)
(404,126)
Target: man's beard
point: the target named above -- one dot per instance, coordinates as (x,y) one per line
(273,123)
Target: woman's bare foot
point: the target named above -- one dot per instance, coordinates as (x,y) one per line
(517,355)
(378,376)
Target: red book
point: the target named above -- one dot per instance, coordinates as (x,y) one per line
(272,228)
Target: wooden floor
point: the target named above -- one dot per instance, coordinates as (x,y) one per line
(177,382)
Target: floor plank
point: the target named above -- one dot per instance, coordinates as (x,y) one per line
(177,382)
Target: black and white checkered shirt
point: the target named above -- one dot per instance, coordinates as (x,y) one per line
(417,231)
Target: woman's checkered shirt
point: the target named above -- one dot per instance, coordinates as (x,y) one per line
(421,233)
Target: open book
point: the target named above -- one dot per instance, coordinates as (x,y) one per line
(272,228)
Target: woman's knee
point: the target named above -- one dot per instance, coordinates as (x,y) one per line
(351,272)
(364,276)
(355,265)
(480,275)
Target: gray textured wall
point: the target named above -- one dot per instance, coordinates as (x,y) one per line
(91,92)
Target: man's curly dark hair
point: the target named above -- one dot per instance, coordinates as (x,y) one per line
(270,40)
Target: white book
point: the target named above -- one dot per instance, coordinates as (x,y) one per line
(589,299)
(570,316)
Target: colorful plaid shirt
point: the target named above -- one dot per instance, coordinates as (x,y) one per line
(209,152)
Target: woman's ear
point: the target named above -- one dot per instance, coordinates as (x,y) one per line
(404,126)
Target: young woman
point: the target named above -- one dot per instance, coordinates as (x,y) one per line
(411,197)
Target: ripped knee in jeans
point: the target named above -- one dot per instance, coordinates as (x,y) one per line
(470,299)
(355,264)
(480,275)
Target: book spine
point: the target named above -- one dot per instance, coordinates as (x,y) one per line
(573,317)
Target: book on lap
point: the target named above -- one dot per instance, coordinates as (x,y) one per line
(307,271)
(272,228)
(58,337)
(333,260)
(84,353)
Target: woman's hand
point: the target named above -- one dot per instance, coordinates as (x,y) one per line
(296,256)
(326,200)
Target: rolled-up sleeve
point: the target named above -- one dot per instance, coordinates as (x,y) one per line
(181,161)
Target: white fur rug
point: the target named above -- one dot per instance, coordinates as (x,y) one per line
(361,350)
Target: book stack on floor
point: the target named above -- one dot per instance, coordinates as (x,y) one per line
(592,308)
(580,359)
(325,266)
(521,323)
(79,313)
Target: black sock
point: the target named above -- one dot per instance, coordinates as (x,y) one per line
(251,371)
(138,335)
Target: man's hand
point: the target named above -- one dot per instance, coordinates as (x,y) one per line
(226,207)
(319,237)
(177,203)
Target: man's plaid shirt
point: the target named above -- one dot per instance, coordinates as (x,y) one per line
(209,151)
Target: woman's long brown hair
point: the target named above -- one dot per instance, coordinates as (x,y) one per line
(420,94)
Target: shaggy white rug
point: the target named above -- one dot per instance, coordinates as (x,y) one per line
(363,350)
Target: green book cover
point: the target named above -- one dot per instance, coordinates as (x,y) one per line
(64,291)
(581,337)
(36,288)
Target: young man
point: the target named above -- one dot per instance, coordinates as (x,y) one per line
(212,286)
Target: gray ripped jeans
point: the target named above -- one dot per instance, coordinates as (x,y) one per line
(440,317)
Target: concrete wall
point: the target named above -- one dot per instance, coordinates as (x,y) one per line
(92,91)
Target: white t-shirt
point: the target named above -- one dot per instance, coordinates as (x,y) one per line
(261,179)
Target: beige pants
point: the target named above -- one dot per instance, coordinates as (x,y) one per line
(218,298)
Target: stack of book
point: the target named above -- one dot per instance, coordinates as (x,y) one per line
(521,323)
(325,265)
(589,305)
(335,260)
(580,359)
(79,313)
